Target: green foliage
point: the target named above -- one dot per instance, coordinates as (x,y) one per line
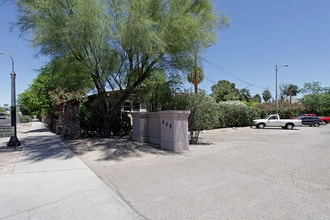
(288,90)
(236,114)
(225,91)
(58,81)
(191,77)
(318,103)
(203,112)
(245,95)
(208,114)
(286,110)
(25,119)
(90,117)
(256,99)
(266,95)
(312,88)
(121,42)
(316,99)
(157,91)
(91,120)
(60,96)
(68,74)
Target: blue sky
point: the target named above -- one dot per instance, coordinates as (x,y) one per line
(265,33)
(262,34)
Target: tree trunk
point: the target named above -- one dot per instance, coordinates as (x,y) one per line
(103,102)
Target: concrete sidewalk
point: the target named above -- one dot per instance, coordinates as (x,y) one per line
(50,182)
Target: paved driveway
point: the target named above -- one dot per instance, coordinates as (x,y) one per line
(238,173)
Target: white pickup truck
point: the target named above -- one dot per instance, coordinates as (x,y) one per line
(275,121)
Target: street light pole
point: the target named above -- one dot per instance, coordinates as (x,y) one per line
(13,141)
(276,70)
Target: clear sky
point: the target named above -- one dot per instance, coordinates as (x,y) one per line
(262,34)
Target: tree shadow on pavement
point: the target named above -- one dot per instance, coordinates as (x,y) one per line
(114,148)
(44,147)
(39,130)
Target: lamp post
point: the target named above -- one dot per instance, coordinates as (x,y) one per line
(276,70)
(13,141)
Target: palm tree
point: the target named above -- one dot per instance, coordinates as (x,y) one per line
(195,77)
(292,90)
(266,95)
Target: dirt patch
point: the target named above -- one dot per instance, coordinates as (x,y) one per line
(9,156)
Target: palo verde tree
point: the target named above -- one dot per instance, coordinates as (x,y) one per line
(121,42)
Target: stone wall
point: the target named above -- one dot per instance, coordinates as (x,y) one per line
(68,124)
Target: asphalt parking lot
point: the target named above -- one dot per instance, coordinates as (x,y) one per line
(238,173)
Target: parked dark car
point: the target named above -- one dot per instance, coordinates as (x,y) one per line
(3,116)
(311,121)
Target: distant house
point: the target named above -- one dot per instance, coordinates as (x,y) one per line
(130,106)
(294,99)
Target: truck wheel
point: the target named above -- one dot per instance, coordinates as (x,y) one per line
(261,126)
(289,126)
(316,125)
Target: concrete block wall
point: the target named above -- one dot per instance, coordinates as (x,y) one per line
(169,129)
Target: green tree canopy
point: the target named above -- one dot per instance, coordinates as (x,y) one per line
(312,88)
(256,98)
(121,42)
(318,103)
(225,91)
(245,95)
(63,74)
(157,91)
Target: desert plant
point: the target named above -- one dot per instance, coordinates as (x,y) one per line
(236,114)
(203,112)
(25,119)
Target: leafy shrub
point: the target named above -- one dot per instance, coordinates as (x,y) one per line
(25,119)
(236,114)
(91,120)
(90,117)
(285,109)
(318,103)
(203,112)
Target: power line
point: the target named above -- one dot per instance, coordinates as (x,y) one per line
(236,77)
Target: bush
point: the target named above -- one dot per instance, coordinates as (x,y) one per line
(285,110)
(318,103)
(91,120)
(203,112)
(25,119)
(236,114)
